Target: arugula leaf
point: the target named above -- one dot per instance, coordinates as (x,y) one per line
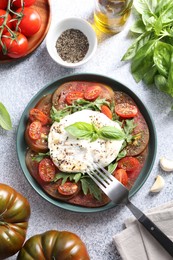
(67,175)
(5,120)
(89,186)
(40,156)
(77,105)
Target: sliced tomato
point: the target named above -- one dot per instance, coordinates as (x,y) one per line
(46,170)
(35,130)
(39,145)
(37,115)
(121,175)
(68,188)
(126,110)
(129,163)
(106,110)
(72,96)
(92,92)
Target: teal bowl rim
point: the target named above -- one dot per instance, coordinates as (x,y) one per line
(116,85)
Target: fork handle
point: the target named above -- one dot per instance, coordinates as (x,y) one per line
(157,233)
(166,243)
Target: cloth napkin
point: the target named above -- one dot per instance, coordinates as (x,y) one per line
(136,243)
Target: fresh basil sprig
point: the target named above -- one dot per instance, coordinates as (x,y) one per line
(151,53)
(5,120)
(83,130)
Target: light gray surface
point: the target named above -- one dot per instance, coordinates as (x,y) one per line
(19,81)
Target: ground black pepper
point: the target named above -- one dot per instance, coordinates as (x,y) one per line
(72,45)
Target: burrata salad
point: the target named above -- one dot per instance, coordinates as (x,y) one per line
(79,124)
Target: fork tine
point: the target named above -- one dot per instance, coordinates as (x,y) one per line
(103,178)
(101,169)
(97,179)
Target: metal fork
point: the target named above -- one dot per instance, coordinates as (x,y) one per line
(118,194)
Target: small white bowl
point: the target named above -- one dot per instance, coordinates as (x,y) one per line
(71,23)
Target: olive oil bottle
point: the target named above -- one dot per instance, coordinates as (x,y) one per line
(110,16)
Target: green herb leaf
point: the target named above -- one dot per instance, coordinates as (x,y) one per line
(84,130)
(111,133)
(40,156)
(5,120)
(80,130)
(67,175)
(89,186)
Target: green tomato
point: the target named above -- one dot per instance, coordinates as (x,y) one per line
(14,216)
(54,245)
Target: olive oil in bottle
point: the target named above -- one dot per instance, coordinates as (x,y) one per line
(110,16)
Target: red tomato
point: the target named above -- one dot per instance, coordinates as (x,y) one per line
(72,96)
(46,170)
(36,114)
(121,175)
(18,3)
(8,23)
(17,47)
(40,145)
(126,110)
(129,163)
(106,110)
(3,4)
(68,188)
(35,130)
(92,92)
(30,22)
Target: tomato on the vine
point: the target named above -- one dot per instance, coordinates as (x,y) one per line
(18,3)
(30,22)
(17,46)
(2,18)
(3,4)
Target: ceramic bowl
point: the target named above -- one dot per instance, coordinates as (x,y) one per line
(66,24)
(49,89)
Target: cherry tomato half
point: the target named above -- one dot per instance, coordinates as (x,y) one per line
(3,4)
(46,170)
(68,188)
(35,130)
(92,92)
(126,110)
(121,175)
(72,96)
(129,163)
(30,22)
(37,115)
(106,111)
(8,23)
(18,3)
(17,47)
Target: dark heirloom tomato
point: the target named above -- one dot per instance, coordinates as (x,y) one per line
(14,216)
(53,244)
(45,104)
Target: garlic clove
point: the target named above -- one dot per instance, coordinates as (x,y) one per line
(158,184)
(166,164)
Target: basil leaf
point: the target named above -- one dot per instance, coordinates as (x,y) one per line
(80,130)
(162,57)
(143,61)
(111,133)
(5,120)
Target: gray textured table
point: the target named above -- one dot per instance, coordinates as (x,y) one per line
(20,80)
